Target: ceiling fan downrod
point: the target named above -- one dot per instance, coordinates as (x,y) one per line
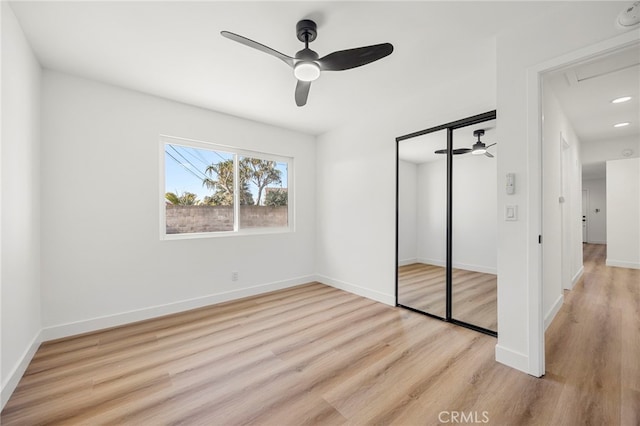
(306,31)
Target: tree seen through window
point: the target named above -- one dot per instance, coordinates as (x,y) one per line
(200,187)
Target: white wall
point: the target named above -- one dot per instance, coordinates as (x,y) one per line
(20,201)
(356,166)
(103,262)
(623,213)
(596,222)
(519,51)
(432,212)
(356,177)
(407,213)
(561,221)
(474,213)
(475,246)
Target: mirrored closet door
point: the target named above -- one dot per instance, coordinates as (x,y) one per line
(422,198)
(446,222)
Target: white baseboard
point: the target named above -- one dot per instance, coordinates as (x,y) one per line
(551,314)
(512,359)
(18,370)
(622,264)
(388,299)
(436,262)
(464,266)
(99,323)
(476,268)
(577,277)
(405,262)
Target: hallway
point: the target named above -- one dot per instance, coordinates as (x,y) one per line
(593,346)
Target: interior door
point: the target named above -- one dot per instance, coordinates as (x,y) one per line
(585,209)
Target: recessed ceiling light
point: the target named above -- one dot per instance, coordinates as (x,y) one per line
(626,123)
(621,99)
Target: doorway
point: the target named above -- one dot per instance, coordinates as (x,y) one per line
(543,302)
(584,103)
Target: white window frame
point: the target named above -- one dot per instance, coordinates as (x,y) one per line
(236,152)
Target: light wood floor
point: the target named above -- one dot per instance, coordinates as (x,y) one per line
(593,345)
(317,355)
(474,294)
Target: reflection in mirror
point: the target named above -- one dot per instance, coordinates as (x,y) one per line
(474,256)
(422,218)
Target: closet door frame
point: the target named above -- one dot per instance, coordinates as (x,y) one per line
(449,127)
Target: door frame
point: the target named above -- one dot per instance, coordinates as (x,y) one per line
(534,77)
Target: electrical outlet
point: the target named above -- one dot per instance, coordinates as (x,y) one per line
(234,276)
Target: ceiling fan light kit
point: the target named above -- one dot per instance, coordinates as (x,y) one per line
(306,71)
(307,64)
(478,149)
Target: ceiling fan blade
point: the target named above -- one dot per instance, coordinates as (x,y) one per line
(488,154)
(461,151)
(352,58)
(302,92)
(495,143)
(456,151)
(261,47)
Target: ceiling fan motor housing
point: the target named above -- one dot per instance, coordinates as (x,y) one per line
(306,30)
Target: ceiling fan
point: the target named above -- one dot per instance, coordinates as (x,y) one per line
(478,148)
(307,64)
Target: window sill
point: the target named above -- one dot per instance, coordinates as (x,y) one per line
(226,234)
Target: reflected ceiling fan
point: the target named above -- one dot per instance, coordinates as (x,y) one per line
(307,64)
(478,148)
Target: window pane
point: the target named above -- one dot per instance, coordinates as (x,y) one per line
(263,189)
(198,190)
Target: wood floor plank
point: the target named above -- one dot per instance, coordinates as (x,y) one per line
(316,355)
(474,294)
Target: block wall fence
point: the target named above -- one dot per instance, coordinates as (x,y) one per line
(190,219)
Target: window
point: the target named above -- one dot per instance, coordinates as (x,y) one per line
(213,190)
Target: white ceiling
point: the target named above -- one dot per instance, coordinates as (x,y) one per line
(585,91)
(174,50)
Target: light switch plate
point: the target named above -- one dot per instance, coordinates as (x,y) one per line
(511,183)
(510,213)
